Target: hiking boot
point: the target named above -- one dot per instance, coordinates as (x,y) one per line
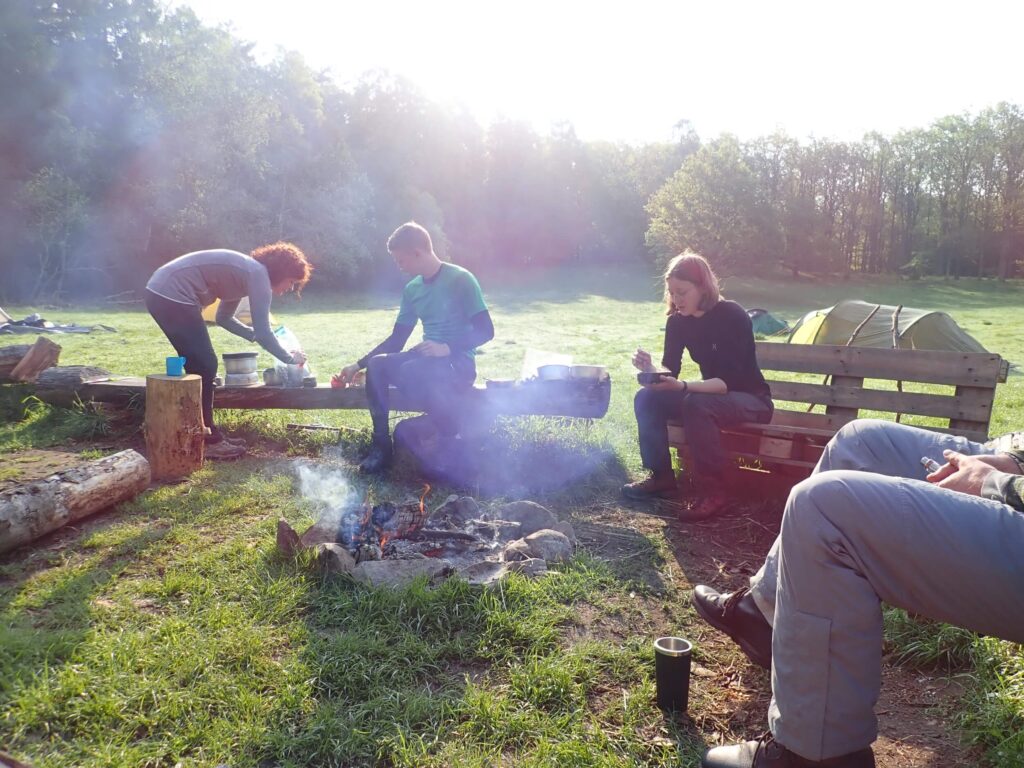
(235,441)
(738,616)
(224,451)
(660,485)
(768,753)
(704,508)
(378,459)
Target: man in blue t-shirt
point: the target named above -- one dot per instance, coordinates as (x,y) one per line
(448,301)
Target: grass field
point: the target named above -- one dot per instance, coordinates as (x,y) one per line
(172,633)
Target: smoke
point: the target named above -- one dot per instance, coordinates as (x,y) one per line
(329,489)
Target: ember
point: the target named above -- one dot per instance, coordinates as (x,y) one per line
(360,538)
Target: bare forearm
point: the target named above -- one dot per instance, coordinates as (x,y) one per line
(707,386)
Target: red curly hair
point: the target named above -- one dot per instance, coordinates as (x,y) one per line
(284,261)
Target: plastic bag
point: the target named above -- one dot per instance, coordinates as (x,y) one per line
(290,375)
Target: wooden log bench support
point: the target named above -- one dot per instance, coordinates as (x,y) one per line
(793,442)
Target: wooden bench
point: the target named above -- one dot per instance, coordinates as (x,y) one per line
(847,384)
(573,399)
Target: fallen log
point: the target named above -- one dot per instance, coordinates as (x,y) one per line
(40,356)
(33,509)
(60,385)
(541,398)
(10,357)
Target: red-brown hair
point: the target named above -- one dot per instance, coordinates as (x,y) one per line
(284,261)
(693,268)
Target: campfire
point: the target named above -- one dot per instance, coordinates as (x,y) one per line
(391,543)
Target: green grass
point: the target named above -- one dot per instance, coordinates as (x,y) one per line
(171,632)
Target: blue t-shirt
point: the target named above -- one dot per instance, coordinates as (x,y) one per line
(444,304)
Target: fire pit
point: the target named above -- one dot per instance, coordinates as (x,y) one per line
(391,543)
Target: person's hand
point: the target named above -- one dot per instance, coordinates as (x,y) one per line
(667,384)
(642,361)
(966,474)
(432,349)
(299,358)
(345,375)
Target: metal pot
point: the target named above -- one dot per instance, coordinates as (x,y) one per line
(594,372)
(554,372)
(241,379)
(240,362)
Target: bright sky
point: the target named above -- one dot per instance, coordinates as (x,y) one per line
(631,71)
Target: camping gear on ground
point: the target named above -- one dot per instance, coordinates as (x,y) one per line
(239,362)
(242,314)
(241,379)
(863,324)
(595,372)
(36,323)
(765,323)
(672,657)
(554,372)
(175,366)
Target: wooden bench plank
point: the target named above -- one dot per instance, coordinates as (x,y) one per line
(845,411)
(975,408)
(978,397)
(926,366)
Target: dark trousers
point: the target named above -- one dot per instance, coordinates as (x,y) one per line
(434,385)
(184,327)
(703,415)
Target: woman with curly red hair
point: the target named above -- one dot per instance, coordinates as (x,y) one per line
(178,291)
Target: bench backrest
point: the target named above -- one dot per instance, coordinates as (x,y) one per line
(968,409)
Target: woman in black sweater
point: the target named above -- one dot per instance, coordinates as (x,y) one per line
(720,338)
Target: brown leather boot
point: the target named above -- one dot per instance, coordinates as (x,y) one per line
(660,485)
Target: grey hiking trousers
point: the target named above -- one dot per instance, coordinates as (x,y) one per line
(867,527)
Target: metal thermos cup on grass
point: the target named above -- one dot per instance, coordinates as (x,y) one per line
(672,672)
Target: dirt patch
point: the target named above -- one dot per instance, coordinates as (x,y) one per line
(729,695)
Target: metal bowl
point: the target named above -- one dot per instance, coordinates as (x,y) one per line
(594,372)
(554,372)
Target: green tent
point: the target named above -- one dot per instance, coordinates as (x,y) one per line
(861,324)
(765,323)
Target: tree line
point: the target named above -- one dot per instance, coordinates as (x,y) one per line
(131,134)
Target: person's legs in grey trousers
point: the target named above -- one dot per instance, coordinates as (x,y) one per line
(867,445)
(851,539)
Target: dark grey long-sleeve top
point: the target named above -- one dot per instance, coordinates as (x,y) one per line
(200,277)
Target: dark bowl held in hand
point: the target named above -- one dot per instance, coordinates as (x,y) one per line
(651,377)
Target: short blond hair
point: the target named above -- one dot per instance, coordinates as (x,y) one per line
(693,268)
(410,235)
